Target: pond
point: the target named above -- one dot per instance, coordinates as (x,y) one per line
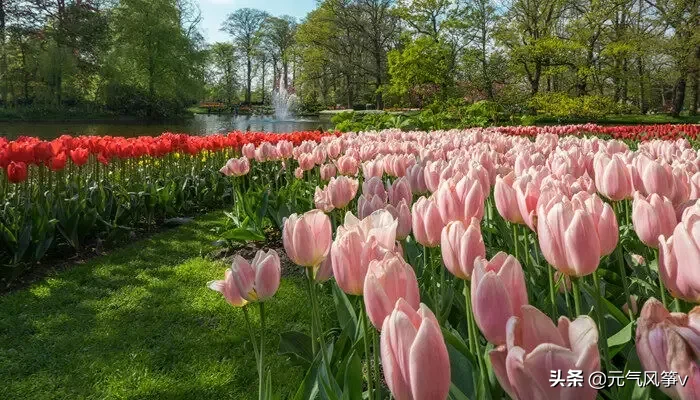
(201,124)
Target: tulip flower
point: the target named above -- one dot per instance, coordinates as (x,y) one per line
(259,279)
(327,171)
(307,238)
(414,355)
(527,193)
(568,238)
(612,178)
(535,347)
(653,216)
(322,200)
(347,165)
(669,342)
(79,156)
(460,245)
(498,292)
(402,214)
(460,200)
(342,191)
(679,257)
(426,222)
(387,281)
(507,200)
(228,289)
(398,191)
(604,219)
(367,204)
(299,173)
(16,172)
(375,187)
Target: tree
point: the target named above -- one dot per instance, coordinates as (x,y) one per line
(279,38)
(244,25)
(223,63)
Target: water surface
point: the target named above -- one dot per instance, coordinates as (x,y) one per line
(199,125)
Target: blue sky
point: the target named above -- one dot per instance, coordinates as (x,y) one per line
(214,12)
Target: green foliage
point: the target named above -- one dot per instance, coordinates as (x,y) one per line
(560,105)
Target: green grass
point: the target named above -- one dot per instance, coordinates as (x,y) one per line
(141,324)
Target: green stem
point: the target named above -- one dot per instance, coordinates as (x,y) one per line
(676,305)
(314,336)
(377,368)
(261,366)
(515,239)
(552,295)
(370,391)
(625,286)
(662,288)
(577,294)
(601,317)
(470,327)
(252,335)
(562,281)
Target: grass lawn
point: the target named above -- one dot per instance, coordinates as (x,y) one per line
(140,323)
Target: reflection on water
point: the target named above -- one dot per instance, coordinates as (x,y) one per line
(199,125)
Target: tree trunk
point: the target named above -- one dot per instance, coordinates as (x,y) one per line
(249,79)
(285,72)
(643,105)
(535,80)
(679,95)
(3,55)
(263,82)
(696,94)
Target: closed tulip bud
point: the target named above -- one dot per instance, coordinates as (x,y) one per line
(427,223)
(299,173)
(653,216)
(506,199)
(403,216)
(248,150)
(612,178)
(633,302)
(375,187)
(228,289)
(497,292)
(416,179)
(307,238)
(324,271)
(569,239)
(387,281)
(16,172)
(327,171)
(535,347)
(679,257)
(398,191)
(414,355)
(527,193)
(460,200)
(373,169)
(307,161)
(460,245)
(431,174)
(342,190)
(367,204)
(604,219)
(259,279)
(669,342)
(347,165)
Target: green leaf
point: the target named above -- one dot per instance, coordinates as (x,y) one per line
(347,318)
(457,394)
(623,336)
(242,235)
(298,346)
(353,378)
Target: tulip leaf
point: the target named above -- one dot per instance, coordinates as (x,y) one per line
(353,378)
(621,338)
(457,394)
(347,318)
(296,345)
(308,389)
(243,235)
(462,370)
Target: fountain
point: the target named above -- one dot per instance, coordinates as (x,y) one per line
(283,101)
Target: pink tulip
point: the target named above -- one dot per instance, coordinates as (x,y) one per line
(319,155)
(414,355)
(367,204)
(373,168)
(416,179)
(431,174)
(236,167)
(399,190)
(322,200)
(259,279)
(535,347)
(569,239)
(653,177)
(612,177)
(633,302)
(563,281)
(347,165)
(653,216)
(527,193)
(679,257)
(285,148)
(228,288)
(357,243)
(324,271)
(334,148)
(506,199)
(427,223)
(299,173)
(248,150)
(342,190)
(402,214)
(497,292)
(604,218)
(375,187)
(306,161)
(307,238)
(460,200)
(669,342)
(387,281)
(327,171)
(460,246)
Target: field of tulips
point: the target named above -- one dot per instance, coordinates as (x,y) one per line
(489,263)
(525,262)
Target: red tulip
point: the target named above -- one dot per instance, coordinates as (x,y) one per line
(16,172)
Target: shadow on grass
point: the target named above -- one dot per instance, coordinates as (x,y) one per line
(140,323)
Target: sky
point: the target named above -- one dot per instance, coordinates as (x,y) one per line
(214,13)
